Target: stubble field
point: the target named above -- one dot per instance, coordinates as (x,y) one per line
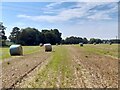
(67,66)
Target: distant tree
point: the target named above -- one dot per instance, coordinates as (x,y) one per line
(15,34)
(97,41)
(52,36)
(73,40)
(85,41)
(62,41)
(92,40)
(116,41)
(57,35)
(39,38)
(2,35)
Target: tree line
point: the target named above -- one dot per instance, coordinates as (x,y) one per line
(76,40)
(33,36)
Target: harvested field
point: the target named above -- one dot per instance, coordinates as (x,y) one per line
(14,69)
(27,50)
(67,66)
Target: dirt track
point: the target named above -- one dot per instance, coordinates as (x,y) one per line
(89,70)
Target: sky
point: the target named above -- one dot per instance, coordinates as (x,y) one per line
(81,19)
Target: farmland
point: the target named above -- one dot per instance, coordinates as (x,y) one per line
(90,66)
(27,50)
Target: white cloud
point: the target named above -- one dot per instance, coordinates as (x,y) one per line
(104,14)
(54,4)
(64,15)
(81,10)
(99,16)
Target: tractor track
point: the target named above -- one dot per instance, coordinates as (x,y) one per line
(23,76)
(20,67)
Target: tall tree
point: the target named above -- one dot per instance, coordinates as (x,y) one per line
(85,41)
(14,37)
(30,36)
(57,35)
(2,34)
(52,36)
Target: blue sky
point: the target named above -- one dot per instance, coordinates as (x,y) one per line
(83,19)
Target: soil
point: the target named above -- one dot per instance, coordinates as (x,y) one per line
(89,70)
(18,67)
(93,70)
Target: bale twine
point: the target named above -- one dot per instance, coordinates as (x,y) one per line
(48,47)
(16,50)
(81,44)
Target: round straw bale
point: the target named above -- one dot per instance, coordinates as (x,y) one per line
(56,44)
(94,43)
(16,50)
(41,44)
(81,44)
(110,43)
(48,47)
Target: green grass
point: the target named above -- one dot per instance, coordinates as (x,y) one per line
(57,69)
(102,49)
(26,50)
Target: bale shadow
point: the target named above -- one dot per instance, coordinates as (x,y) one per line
(50,51)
